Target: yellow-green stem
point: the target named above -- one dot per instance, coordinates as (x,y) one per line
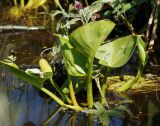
(59,91)
(15,2)
(130,27)
(54,97)
(22,3)
(71,91)
(59,101)
(89,86)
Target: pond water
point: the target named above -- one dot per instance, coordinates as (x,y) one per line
(22,105)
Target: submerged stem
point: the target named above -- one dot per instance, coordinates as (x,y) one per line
(54,113)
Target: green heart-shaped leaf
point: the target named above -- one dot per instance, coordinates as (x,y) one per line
(87,38)
(118,52)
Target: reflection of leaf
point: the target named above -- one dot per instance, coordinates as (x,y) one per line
(105,115)
(119,111)
(118,52)
(99,109)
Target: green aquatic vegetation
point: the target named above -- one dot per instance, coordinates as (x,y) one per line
(105,115)
(86,45)
(118,52)
(120,7)
(76,13)
(79,51)
(20,9)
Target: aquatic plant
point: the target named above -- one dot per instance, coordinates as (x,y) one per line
(76,12)
(19,10)
(79,50)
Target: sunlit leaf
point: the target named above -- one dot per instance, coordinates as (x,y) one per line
(87,38)
(118,52)
(142,52)
(74,61)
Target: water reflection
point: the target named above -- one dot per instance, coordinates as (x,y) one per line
(21,104)
(26,46)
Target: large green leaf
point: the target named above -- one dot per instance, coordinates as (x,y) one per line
(74,61)
(118,52)
(34,80)
(87,38)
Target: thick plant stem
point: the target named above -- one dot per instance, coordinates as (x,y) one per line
(59,101)
(71,91)
(89,86)
(59,91)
